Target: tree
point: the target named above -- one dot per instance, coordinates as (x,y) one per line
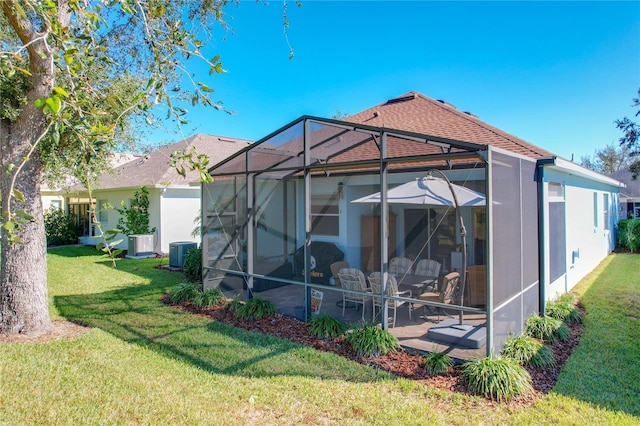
(74,76)
(608,159)
(631,137)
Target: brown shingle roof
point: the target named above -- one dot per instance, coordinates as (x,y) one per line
(154,168)
(415,112)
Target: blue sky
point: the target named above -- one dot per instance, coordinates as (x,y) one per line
(556,74)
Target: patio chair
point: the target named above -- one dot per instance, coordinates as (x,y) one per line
(335,269)
(430,269)
(400,266)
(353,279)
(375,280)
(446,296)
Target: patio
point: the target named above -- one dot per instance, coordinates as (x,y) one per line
(320,191)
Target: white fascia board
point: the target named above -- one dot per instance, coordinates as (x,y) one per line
(577,170)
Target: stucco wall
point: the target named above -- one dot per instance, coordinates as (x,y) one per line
(178,209)
(588,241)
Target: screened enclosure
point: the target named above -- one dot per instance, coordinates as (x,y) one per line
(342,218)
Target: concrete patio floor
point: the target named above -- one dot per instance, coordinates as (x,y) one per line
(412,333)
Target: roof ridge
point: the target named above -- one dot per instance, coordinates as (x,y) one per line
(472,118)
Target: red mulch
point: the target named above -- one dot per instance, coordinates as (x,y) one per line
(407,364)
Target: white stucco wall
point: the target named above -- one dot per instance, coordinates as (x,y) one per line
(178,208)
(588,241)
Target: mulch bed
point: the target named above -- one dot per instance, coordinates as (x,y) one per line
(406,363)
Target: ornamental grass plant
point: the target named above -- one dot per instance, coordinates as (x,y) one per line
(371,340)
(496,377)
(325,326)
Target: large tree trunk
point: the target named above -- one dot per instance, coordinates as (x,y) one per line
(24,306)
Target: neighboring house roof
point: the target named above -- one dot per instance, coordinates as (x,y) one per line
(415,112)
(155,168)
(633,185)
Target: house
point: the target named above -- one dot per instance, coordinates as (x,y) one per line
(174,200)
(629,196)
(541,223)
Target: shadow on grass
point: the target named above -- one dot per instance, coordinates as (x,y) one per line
(136,315)
(604,369)
(75,250)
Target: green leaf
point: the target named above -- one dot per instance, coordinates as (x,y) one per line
(39,103)
(22,214)
(17,195)
(9,225)
(205,88)
(60,91)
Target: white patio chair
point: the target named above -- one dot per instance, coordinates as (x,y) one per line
(353,279)
(392,290)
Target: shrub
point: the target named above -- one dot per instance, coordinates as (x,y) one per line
(547,328)
(234,304)
(437,362)
(192,266)
(496,377)
(371,340)
(135,218)
(207,298)
(60,228)
(564,309)
(255,308)
(528,351)
(324,326)
(629,234)
(184,292)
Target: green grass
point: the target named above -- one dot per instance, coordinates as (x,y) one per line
(147,363)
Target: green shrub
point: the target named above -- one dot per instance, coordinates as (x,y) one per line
(135,218)
(324,326)
(234,304)
(547,328)
(255,309)
(496,377)
(207,298)
(437,362)
(629,234)
(192,266)
(564,309)
(60,228)
(371,340)
(528,351)
(184,292)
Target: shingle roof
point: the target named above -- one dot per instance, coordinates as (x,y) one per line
(154,168)
(633,185)
(418,113)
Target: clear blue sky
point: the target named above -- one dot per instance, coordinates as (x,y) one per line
(556,74)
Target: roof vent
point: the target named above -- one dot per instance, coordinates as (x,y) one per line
(446,103)
(409,97)
(376,113)
(468,113)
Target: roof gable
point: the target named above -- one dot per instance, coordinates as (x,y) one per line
(415,112)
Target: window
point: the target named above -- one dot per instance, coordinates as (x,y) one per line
(56,204)
(605,201)
(556,190)
(595,210)
(325,215)
(102,213)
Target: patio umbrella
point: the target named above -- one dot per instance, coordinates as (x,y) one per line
(428,190)
(435,191)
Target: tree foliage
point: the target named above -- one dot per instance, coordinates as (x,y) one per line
(608,160)
(631,135)
(75,78)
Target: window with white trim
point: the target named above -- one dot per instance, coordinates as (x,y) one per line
(605,202)
(325,215)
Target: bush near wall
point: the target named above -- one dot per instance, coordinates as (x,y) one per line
(60,228)
(629,234)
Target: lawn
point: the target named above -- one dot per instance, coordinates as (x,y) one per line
(144,362)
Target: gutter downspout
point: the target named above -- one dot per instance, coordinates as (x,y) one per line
(542,227)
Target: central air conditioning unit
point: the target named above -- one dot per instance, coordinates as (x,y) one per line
(140,245)
(178,251)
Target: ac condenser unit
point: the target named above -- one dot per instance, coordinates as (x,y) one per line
(140,245)
(178,251)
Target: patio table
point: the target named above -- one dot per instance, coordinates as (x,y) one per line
(415,283)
